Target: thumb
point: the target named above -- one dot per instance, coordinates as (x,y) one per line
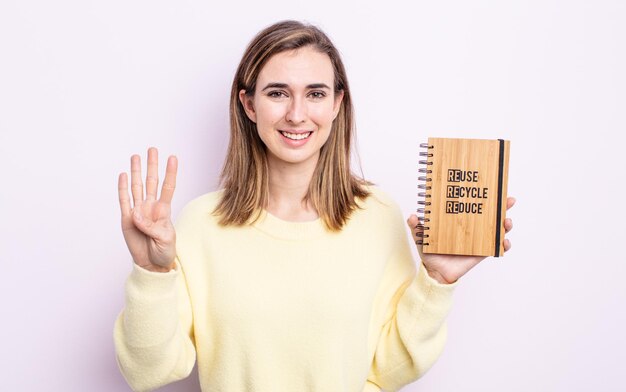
(412,221)
(417,231)
(144,225)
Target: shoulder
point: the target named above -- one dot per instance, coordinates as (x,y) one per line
(379,208)
(379,200)
(199,209)
(380,214)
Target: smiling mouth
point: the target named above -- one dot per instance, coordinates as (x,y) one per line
(296,136)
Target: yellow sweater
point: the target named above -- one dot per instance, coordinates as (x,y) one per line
(285,306)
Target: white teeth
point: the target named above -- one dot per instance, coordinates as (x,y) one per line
(296,136)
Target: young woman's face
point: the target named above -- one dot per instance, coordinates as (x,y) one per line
(294,105)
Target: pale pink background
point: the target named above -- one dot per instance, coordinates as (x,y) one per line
(85,84)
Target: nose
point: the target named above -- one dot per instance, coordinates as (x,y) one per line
(297,111)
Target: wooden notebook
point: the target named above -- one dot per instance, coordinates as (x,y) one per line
(463,190)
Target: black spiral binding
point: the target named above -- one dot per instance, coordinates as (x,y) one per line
(424,192)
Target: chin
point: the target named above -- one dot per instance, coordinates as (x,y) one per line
(293,159)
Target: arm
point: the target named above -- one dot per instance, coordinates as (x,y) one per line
(153,335)
(413,338)
(414,334)
(412,307)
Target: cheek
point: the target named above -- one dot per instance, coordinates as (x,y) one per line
(268,113)
(322,114)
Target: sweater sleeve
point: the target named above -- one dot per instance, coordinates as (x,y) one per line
(153,334)
(413,334)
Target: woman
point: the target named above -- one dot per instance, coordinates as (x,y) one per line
(297,275)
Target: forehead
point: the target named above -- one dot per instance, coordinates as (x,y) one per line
(298,67)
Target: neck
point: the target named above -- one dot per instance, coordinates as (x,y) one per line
(288,185)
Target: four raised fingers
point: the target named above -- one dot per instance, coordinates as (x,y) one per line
(152,181)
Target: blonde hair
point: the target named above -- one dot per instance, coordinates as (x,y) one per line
(333,188)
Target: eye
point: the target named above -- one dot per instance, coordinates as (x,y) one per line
(276,94)
(317,94)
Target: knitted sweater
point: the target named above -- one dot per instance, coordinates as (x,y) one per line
(285,306)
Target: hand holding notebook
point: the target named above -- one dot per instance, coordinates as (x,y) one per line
(462,217)
(446,268)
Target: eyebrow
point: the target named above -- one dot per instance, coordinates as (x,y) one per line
(285,85)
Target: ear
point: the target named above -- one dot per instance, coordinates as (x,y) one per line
(337,103)
(248,105)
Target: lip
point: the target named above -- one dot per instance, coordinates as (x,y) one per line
(291,142)
(296,131)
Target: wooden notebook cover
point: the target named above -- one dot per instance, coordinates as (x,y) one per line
(468,192)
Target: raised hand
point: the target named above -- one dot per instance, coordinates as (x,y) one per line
(147,225)
(449,268)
